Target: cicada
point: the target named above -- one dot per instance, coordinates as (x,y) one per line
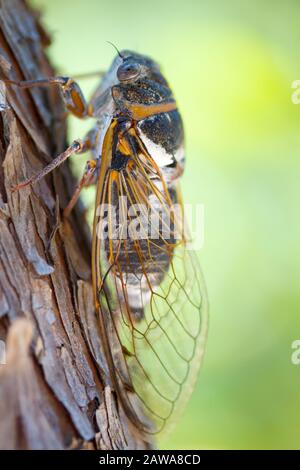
(149,293)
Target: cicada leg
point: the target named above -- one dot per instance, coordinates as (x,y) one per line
(88,178)
(71,92)
(78,146)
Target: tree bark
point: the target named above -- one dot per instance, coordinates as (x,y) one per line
(55,390)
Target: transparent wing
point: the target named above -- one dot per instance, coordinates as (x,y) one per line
(164,349)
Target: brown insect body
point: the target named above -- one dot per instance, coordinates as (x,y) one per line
(142,159)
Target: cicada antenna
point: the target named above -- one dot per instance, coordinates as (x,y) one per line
(115,47)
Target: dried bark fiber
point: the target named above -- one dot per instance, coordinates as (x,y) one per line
(54,388)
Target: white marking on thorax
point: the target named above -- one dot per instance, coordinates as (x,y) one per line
(159,154)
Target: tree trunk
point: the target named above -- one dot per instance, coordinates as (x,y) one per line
(55,387)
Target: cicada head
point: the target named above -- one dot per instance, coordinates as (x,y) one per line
(139,81)
(135,67)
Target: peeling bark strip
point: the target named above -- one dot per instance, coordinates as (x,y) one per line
(55,388)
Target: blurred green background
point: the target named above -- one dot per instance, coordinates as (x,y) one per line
(230,64)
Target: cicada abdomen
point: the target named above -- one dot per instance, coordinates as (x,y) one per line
(147,283)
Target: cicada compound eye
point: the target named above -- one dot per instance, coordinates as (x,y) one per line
(128,71)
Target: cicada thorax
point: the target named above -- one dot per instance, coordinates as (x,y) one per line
(158,123)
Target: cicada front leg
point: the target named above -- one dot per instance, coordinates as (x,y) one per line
(71,93)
